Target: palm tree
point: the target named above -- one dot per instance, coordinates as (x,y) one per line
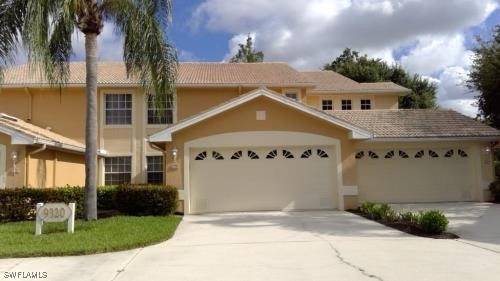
(45,28)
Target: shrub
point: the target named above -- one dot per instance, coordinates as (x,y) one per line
(433,222)
(19,204)
(378,211)
(409,217)
(495,190)
(144,200)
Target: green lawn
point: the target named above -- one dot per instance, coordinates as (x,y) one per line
(17,239)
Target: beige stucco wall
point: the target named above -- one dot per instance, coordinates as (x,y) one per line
(51,168)
(379,101)
(243,118)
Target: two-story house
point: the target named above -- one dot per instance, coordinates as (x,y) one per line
(241,137)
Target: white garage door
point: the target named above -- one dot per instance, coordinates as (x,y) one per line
(272,178)
(415,175)
(3,172)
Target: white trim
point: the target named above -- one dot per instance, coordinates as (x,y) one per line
(132,110)
(259,139)
(20,138)
(349,190)
(432,139)
(360,92)
(166,135)
(3,166)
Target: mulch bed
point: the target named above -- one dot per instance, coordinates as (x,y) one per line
(408,228)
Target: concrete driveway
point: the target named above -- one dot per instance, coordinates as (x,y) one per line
(475,223)
(325,245)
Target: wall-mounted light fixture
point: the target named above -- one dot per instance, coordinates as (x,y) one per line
(13,156)
(174,154)
(487,149)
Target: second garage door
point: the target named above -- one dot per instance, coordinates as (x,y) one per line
(402,175)
(264,178)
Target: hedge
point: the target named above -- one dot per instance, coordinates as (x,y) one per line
(18,204)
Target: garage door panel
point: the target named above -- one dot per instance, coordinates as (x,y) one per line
(263,184)
(448,176)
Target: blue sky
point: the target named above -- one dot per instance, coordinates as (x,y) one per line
(429,37)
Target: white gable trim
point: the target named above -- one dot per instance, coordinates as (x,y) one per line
(166,135)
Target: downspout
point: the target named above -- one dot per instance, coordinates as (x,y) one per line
(28,157)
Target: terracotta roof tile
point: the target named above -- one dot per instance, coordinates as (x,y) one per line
(330,81)
(110,73)
(417,123)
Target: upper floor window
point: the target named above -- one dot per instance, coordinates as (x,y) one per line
(117,170)
(118,109)
(366,104)
(161,115)
(327,104)
(291,95)
(346,104)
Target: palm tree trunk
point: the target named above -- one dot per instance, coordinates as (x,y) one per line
(90,203)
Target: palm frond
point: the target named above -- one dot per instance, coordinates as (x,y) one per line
(12,14)
(46,37)
(148,55)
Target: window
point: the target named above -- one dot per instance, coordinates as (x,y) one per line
(366,104)
(273,154)
(306,154)
(237,155)
(163,115)
(287,154)
(372,155)
(346,104)
(118,109)
(321,153)
(252,155)
(389,154)
(117,170)
(201,156)
(291,95)
(154,169)
(327,104)
(360,155)
(217,156)
(403,154)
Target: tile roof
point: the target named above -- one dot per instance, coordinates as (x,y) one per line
(417,123)
(330,81)
(114,73)
(39,135)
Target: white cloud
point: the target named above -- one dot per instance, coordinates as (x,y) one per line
(310,33)
(453,93)
(434,53)
(187,56)
(109,44)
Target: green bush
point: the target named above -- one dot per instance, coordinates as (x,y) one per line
(378,211)
(495,190)
(433,222)
(19,204)
(409,217)
(146,200)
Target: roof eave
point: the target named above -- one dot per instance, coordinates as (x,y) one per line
(360,92)
(434,139)
(166,135)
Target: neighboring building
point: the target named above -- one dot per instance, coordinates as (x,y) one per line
(262,136)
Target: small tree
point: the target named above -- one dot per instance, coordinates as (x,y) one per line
(247,53)
(365,69)
(45,27)
(485,77)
